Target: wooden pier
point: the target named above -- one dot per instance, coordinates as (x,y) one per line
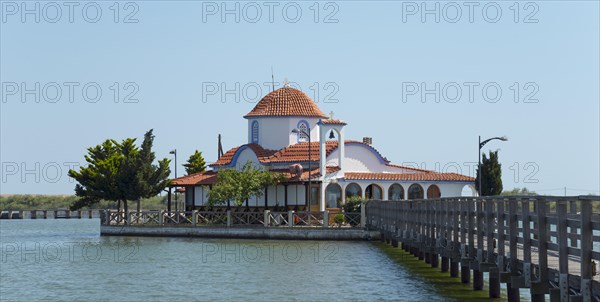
(549,245)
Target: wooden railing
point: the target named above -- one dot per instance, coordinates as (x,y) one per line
(265,218)
(548,244)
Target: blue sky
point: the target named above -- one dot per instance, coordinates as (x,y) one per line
(365,59)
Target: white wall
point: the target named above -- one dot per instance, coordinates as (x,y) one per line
(297,195)
(358,159)
(245,156)
(447,189)
(275,133)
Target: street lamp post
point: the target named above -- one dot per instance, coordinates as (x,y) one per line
(174,152)
(481,144)
(298,131)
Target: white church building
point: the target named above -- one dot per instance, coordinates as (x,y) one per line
(279,127)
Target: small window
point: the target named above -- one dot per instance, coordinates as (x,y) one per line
(303,127)
(255,132)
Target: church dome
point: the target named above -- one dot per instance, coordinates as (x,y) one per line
(286,101)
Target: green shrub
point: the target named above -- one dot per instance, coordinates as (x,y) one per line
(353,204)
(339,219)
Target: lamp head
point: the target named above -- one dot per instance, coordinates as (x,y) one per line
(296,131)
(504,138)
(174,151)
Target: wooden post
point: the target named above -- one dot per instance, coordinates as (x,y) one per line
(161,217)
(325,219)
(586,250)
(542,288)
(513,292)
(455,242)
(477,273)
(267,218)
(526,243)
(465,272)
(494,273)
(229,222)
(573,230)
(563,251)
(363,216)
(194,217)
(290,218)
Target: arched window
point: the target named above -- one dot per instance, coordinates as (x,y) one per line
(255,132)
(373,191)
(333,196)
(303,127)
(396,192)
(415,191)
(353,189)
(433,192)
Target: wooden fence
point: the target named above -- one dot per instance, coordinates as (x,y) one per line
(548,244)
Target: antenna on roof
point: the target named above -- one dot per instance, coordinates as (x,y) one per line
(220,151)
(272,79)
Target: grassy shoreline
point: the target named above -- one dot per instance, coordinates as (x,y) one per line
(14,202)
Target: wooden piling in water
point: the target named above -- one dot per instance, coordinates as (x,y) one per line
(444,265)
(465,274)
(453,269)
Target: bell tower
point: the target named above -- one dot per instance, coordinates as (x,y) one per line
(329,128)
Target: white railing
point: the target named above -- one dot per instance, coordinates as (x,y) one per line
(266,218)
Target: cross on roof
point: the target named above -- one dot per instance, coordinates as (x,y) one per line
(331,115)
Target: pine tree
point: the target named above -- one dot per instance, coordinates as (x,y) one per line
(120,172)
(195,163)
(491,182)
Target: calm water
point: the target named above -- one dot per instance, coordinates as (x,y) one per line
(68,260)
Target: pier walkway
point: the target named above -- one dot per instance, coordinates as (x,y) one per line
(548,244)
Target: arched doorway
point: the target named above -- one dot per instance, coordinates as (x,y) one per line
(433,192)
(396,192)
(415,191)
(373,191)
(333,196)
(352,190)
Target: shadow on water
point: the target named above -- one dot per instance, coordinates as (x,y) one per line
(445,286)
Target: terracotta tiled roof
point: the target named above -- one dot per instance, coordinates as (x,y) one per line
(201,178)
(290,154)
(409,168)
(332,122)
(432,176)
(286,101)
(261,153)
(299,152)
(210,177)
